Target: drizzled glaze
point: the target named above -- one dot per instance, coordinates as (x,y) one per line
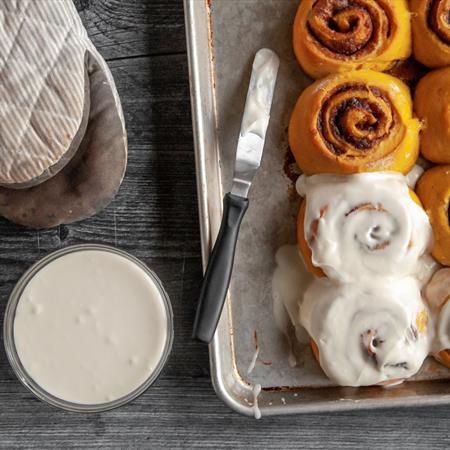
(362,225)
(413,175)
(289,283)
(367,333)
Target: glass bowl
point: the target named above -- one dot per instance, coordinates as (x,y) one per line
(27,380)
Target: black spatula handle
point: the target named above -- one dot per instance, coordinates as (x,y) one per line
(220,265)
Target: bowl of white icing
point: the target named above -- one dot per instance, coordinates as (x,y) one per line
(88,328)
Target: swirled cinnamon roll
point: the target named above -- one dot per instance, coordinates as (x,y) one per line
(358,121)
(367,334)
(363,225)
(431,31)
(433,189)
(340,35)
(437,294)
(431,104)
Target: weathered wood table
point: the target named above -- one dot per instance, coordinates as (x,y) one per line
(155,218)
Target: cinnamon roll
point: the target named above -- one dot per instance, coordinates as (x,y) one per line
(358,121)
(363,225)
(367,334)
(431,32)
(431,103)
(303,245)
(340,35)
(437,294)
(433,189)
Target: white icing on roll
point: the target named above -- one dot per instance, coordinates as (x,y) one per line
(363,225)
(289,283)
(367,333)
(412,177)
(437,294)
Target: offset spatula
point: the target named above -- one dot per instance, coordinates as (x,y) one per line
(235,203)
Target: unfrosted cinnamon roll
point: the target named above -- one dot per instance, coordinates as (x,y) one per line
(358,226)
(433,189)
(437,294)
(367,334)
(432,106)
(358,121)
(431,31)
(340,35)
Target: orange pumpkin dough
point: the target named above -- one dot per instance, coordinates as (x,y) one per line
(443,357)
(431,32)
(432,106)
(351,122)
(433,189)
(332,36)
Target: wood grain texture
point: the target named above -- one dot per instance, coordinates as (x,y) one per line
(130,28)
(155,218)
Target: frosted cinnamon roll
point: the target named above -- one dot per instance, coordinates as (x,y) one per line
(338,35)
(362,225)
(358,121)
(437,294)
(367,334)
(431,31)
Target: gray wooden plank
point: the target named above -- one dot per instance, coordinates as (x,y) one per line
(128,28)
(155,217)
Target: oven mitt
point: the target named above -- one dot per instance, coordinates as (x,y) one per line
(63,147)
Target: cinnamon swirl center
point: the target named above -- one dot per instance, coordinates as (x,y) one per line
(355,118)
(439,19)
(348,28)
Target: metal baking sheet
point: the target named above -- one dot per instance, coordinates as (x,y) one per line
(223,36)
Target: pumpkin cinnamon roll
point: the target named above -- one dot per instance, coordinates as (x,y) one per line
(431,104)
(359,226)
(437,294)
(367,333)
(431,32)
(340,35)
(303,245)
(358,121)
(433,189)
